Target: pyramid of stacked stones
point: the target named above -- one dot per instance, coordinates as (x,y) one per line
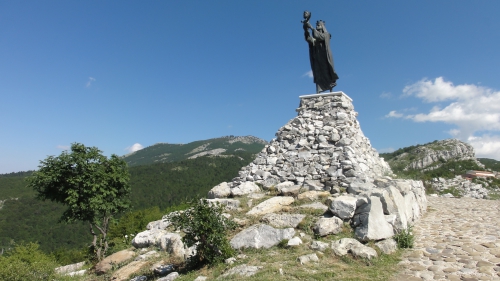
(323,148)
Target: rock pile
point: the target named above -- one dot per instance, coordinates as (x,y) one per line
(322,148)
(465,187)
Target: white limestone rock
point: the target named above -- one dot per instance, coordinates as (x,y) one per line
(295,241)
(242,270)
(244,188)
(271,205)
(326,226)
(147,238)
(221,190)
(261,236)
(308,258)
(230,204)
(319,246)
(387,246)
(172,244)
(283,220)
(370,222)
(343,206)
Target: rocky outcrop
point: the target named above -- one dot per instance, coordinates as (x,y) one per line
(431,155)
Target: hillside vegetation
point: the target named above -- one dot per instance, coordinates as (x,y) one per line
(23,218)
(166,152)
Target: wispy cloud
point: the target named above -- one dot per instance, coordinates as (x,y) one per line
(394,114)
(63,147)
(89,82)
(135,147)
(308,74)
(386,95)
(470,108)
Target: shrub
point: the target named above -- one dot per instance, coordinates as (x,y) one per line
(405,238)
(205,227)
(27,262)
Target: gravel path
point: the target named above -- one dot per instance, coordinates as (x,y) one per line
(457,239)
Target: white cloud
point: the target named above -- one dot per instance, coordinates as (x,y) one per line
(63,147)
(135,147)
(486,146)
(394,114)
(89,83)
(386,95)
(471,109)
(308,74)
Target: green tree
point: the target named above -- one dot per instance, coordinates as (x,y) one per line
(207,228)
(92,186)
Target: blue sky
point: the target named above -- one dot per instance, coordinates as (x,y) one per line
(121,75)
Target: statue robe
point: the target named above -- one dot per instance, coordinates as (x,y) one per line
(321,59)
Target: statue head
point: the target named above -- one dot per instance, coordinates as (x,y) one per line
(320,25)
(307,14)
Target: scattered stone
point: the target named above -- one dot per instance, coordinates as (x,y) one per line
(244,188)
(308,258)
(387,246)
(69,268)
(242,270)
(162,269)
(295,241)
(326,226)
(147,256)
(170,277)
(319,246)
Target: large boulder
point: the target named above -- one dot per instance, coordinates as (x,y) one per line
(221,190)
(271,205)
(261,236)
(147,238)
(172,244)
(244,189)
(370,222)
(326,226)
(107,263)
(343,206)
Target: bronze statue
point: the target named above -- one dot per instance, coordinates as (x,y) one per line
(320,54)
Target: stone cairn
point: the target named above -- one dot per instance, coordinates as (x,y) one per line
(322,148)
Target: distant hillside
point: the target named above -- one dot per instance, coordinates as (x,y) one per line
(430,156)
(166,152)
(23,218)
(491,164)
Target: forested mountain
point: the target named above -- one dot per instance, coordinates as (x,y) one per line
(166,152)
(23,218)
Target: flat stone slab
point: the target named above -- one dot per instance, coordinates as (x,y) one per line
(261,236)
(271,205)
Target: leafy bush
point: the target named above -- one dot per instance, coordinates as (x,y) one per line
(405,238)
(27,262)
(205,227)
